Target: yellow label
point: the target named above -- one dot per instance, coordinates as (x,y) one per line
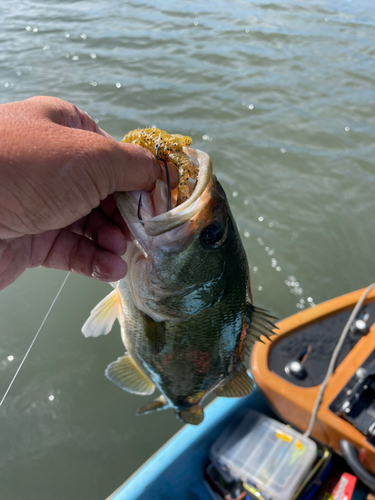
(253,491)
(284,437)
(299,445)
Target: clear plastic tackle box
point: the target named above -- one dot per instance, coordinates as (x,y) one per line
(264,453)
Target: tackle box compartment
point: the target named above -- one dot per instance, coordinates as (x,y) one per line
(264,453)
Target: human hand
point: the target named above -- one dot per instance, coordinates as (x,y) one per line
(58,170)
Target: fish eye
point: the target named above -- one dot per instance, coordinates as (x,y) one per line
(213,235)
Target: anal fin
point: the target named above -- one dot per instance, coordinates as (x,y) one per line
(159,403)
(125,374)
(238,386)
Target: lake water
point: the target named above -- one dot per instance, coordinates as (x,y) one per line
(282,96)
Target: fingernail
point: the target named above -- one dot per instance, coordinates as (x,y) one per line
(173,174)
(113,268)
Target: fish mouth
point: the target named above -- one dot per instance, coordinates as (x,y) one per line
(158,234)
(155,220)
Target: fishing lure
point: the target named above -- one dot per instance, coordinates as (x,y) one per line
(167,147)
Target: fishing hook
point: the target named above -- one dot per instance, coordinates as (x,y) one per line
(139,210)
(157,147)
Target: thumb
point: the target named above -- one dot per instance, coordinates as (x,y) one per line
(135,168)
(131,167)
(113,166)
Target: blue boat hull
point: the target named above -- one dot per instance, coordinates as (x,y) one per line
(177,468)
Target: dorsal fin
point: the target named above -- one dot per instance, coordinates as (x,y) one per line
(125,374)
(238,386)
(260,324)
(258,311)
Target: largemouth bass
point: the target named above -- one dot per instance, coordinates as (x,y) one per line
(185,306)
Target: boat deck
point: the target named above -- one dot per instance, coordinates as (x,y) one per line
(176,470)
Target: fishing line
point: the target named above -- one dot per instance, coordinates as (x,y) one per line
(35,337)
(336,352)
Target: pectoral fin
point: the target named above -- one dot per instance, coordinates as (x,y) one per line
(240,385)
(103,316)
(159,403)
(154,331)
(125,373)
